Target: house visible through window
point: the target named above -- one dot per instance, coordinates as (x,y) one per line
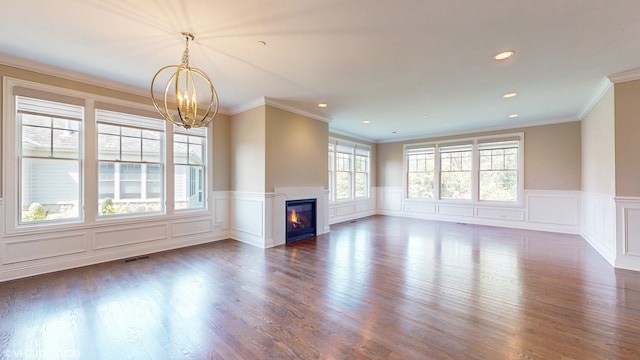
(189,167)
(129,163)
(49,159)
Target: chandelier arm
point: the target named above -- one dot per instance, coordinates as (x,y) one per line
(166,115)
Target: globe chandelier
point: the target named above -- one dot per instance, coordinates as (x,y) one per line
(188,98)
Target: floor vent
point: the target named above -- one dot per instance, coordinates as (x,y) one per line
(136,258)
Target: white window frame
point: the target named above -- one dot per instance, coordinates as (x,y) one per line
(204,134)
(12,152)
(88,204)
(475,142)
(353,149)
(126,119)
(416,150)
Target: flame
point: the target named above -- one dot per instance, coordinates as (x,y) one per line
(294,216)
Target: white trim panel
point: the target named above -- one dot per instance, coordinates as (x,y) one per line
(599,224)
(556,211)
(628,232)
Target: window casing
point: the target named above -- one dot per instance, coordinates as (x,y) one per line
(349,170)
(484,169)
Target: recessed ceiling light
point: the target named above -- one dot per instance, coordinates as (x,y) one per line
(513,116)
(510,95)
(504,55)
(394,132)
(322,105)
(262,43)
(366,121)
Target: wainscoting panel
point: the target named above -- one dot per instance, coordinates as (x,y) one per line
(628,232)
(132,234)
(419,208)
(553,208)
(599,223)
(248,214)
(500,214)
(221,207)
(33,248)
(540,210)
(389,199)
(350,210)
(454,210)
(191,227)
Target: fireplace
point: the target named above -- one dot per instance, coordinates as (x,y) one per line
(300,219)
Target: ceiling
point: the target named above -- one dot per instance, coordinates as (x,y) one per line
(413,68)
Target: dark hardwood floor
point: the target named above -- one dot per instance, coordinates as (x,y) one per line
(378,288)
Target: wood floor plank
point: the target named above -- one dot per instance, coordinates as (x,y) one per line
(377,288)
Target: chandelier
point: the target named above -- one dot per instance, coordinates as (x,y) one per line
(188,98)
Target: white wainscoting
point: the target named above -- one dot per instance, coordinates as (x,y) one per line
(599,224)
(557,211)
(31,251)
(628,233)
(259,218)
(248,218)
(341,211)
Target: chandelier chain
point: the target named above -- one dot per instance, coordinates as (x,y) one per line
(185,55)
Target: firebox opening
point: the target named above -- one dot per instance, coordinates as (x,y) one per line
(300,219)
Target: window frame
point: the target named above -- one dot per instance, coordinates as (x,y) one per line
(10,183)
(17,120)
(203,168)
(354,150)
(475,143)
(125,120)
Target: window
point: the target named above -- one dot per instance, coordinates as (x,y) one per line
(331,163)
(455,172)
(129,163)
(49,152)
(420,172)
(344,169)
(361,180)
(499,171)
(189,150)
(348,170)
(480,169)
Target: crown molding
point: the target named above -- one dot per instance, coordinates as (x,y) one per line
(625,76)
(597,95)
(482,129)
(274,103)
(247,106)
(350,135)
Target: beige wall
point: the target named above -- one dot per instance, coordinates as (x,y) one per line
(551,157)
(373,171)
(627,129)
(296,150)
(247,146)
(220,153)
(598,147)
